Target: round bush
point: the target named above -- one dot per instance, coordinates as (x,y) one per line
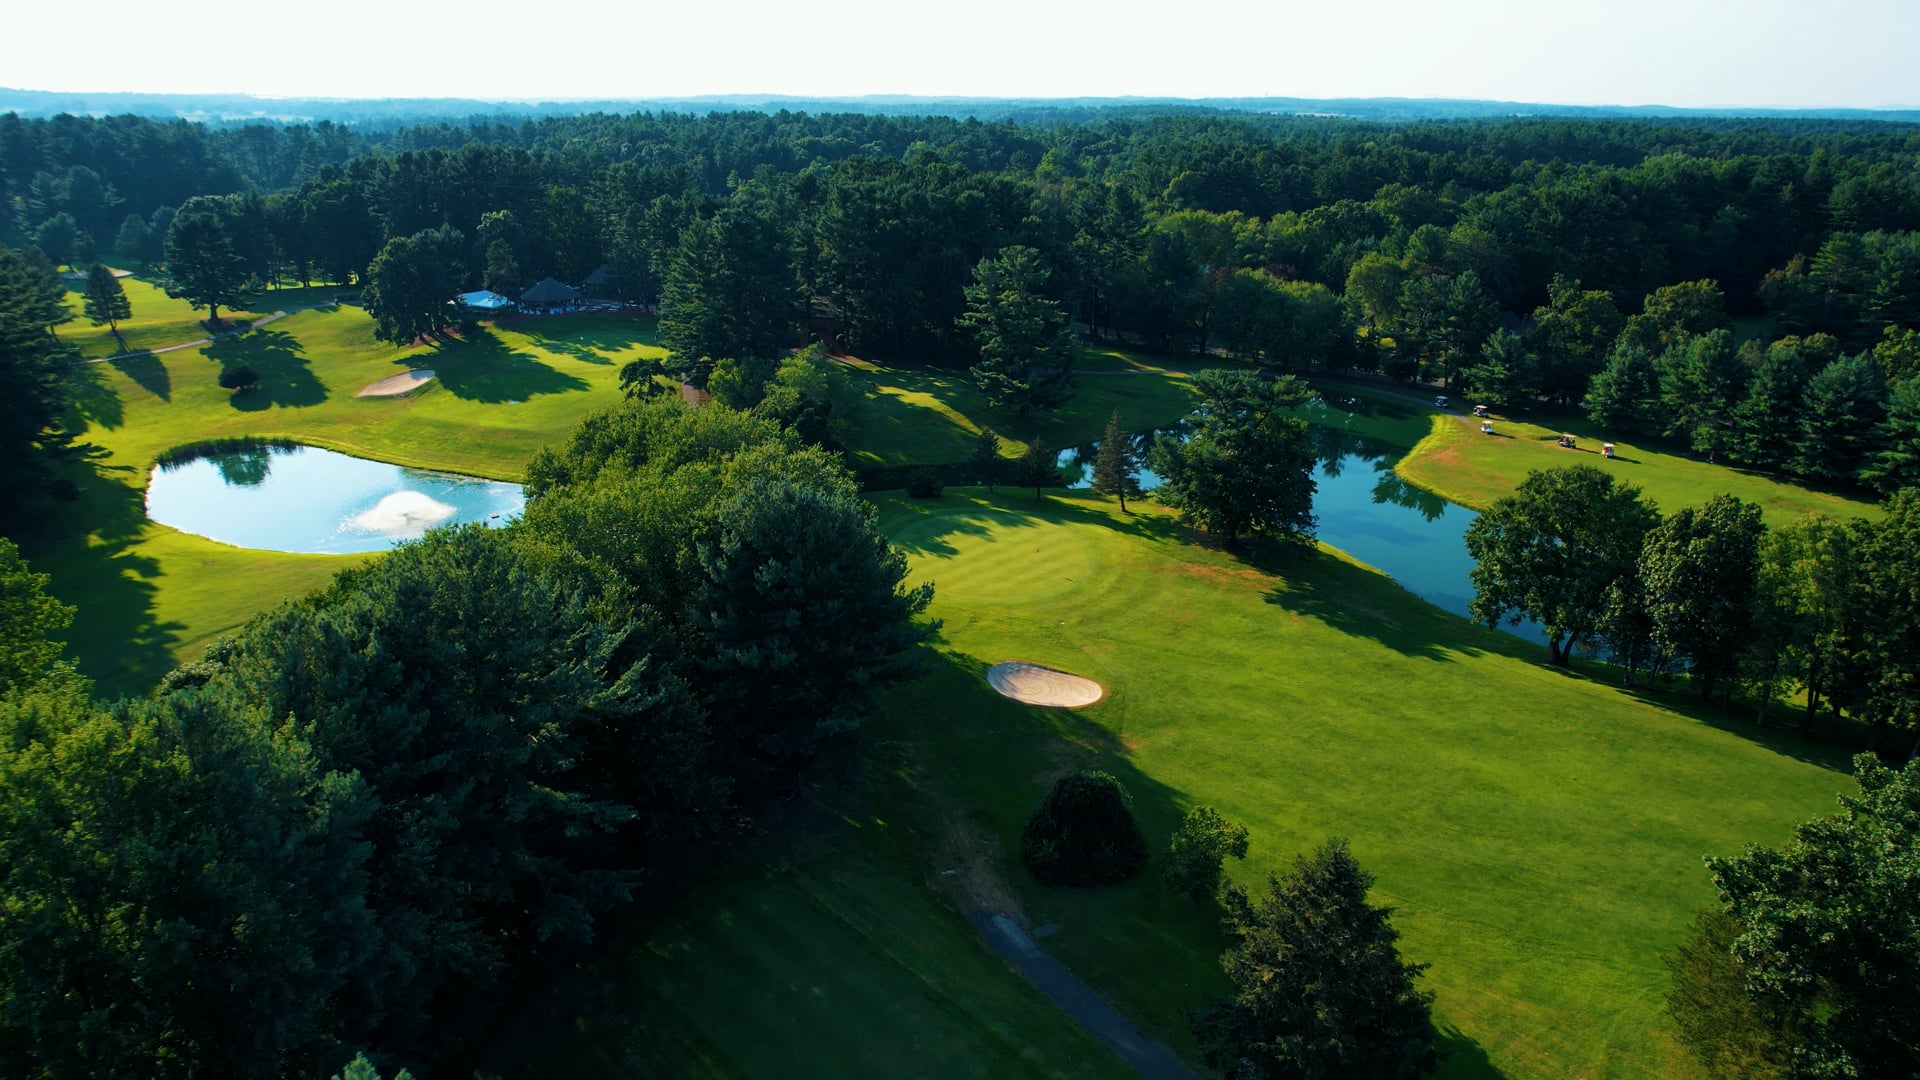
(924,485)
(1084,833)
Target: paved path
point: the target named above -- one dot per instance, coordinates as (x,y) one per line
(254,325)
(1148,1058)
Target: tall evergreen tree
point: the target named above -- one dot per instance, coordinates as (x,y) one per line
(985,461)
(1038,467)
(1026,351)
(1767,420)
(1839,414)
(1116,468)
(1897,464)
(1625,395)
(1320,989)
(34,369)
(106,302)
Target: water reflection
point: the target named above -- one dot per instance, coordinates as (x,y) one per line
(1364,508)
(300,498)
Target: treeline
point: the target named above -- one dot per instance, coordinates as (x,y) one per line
(358,822)
(1831,608)
(1522,262)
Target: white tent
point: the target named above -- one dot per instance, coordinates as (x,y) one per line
(484,301)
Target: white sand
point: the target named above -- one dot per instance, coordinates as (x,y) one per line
(404,514)
(1038,685)
(395,385)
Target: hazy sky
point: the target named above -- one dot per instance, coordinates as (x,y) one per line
(1674,52)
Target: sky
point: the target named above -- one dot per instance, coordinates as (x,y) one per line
(1761,53)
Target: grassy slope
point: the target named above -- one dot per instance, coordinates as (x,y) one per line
(834,962)
(1456,461)
(930,416)
(160,320)
(1539,833)
(150,597)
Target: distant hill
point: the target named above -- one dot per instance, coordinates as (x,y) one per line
(245,108)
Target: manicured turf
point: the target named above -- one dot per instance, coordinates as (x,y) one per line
(1457,461)
(160,320)
(836,963)
(1539,833)
(931,416)
(150,597)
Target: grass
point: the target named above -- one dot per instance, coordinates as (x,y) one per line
(835,962)
(150,597)
(1539,833)
(160,320)
(1456,461)
(920,415)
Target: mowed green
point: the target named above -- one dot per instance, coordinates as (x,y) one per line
(160,320)
(836,962)
(922,415)
(149,597)
(1456,461)
(1539,833)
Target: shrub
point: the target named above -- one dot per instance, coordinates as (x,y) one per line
(1200,845)
(924,485)
(239,377)
(1084,833)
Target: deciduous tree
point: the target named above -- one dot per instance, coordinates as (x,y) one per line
(202,267)
(1551,550)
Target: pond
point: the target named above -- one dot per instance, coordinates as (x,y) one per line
(1366,510)
(304,499)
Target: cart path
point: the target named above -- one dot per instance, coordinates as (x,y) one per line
(254,325)
(1147,1057)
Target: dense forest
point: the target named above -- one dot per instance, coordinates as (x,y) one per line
(1749,289)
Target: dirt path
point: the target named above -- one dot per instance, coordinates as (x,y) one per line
(254,325)
(1077,999)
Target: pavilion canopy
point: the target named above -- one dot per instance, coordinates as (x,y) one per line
(549,291)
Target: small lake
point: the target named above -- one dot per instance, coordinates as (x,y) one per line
(305,499)
(1366,510)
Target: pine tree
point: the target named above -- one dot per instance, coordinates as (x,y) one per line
(106,301)
(1320,989)
(1116,471)
(1039,467)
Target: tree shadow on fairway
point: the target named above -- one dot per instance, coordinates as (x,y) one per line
(1779,735)
(277,357)
(148,372)
(94,400)
(481,367)
(116,636)
(925,527)
(1366,604)
(1463,1058)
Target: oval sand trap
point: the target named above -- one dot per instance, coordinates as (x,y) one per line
(395,385)
(1038,685)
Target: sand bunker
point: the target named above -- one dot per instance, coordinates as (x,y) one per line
(404,514)
(1038,685)
(394,386)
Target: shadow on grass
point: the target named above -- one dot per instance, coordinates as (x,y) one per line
(279,359)
(1463,1058)
(148,372)
(94,400)
(925,529)
(482,368)
(1778,735)
(1355,601)
(116,637)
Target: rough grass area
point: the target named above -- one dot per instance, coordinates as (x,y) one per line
(838,963)
(918,415)
(1540,833)
(150,597)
